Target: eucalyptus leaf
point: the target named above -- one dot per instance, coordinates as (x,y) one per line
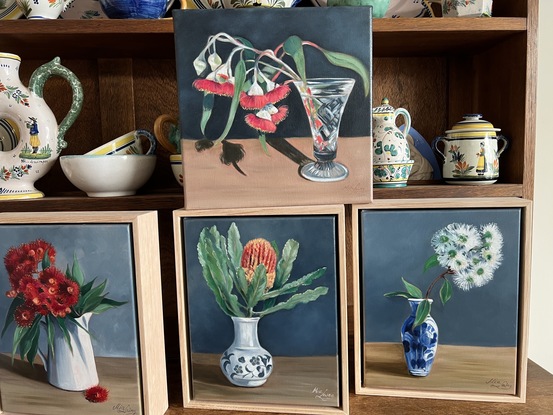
(446,291)
(76,272)
(16,302)
(423,310)
(431,262)
(350,62)
(293,47)
(45,260)
(403,294)
(239,79)
(413,290)
(207,109)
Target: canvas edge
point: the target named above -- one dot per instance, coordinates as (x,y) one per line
(143,223)
(524,294)
(188,400)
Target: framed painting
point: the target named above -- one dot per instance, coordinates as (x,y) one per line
(275,117)
(82,323)
(262,309)
(443,298)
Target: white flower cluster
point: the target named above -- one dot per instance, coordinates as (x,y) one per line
(471,254)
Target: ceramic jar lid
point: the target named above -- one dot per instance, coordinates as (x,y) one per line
(384,109)
(473,126)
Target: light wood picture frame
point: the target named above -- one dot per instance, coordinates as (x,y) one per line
(92,280)
(303,368)
(481,330)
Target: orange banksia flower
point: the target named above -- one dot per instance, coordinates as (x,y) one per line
(256,252)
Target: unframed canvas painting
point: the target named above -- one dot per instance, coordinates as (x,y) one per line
(69,339)
(261,106)
(285,284)
(467,262)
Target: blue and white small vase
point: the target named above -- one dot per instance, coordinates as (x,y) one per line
(245,363)
(419,343)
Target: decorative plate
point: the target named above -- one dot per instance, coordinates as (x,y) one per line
(399,8)
(9,10)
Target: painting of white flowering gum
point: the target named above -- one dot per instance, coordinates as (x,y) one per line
(441,295)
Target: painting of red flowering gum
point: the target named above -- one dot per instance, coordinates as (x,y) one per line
(70,333)
(274,118)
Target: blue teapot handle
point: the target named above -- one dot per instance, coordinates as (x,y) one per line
(36,85)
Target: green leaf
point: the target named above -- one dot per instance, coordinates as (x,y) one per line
(423,310)
(263,141)
(446,291)
(301,298)
(234,246)
(257,286)
(17,301)
(350,62)
(431,262)
(413,290)
(207,109)
(91,299)
(293,47)
(107,304)
(77,273)
(239,79)
(286,263)
(18,335)
(45,260)
(293,286)
(63,327)
(403,294)
(50,330)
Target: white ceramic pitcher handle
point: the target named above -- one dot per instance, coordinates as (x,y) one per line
(407,118)
(503,139)
(435,146)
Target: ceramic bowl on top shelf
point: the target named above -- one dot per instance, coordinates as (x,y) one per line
(236,4)
(108,175)
(176,167)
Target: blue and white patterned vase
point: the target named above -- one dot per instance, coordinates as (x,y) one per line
(419,344)
(245,363)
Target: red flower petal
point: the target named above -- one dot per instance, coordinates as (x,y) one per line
(212,87)
(280,115)
(278,94)
(96,394)
(260,124)
(253,102)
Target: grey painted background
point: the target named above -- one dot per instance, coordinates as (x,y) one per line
(266,28)
(396,244)
(104,251)
(308,329)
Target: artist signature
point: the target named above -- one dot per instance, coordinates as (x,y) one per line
(323,395)
(498,383)
(124,409)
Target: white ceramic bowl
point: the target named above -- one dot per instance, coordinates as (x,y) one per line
(176,167)
(110,175)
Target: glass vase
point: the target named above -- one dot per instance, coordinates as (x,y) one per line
(324,100)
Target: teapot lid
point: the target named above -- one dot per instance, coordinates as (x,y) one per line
(472,122)
(385,108)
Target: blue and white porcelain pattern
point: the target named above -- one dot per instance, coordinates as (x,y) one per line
(245,363)
(134,9)
(419,344)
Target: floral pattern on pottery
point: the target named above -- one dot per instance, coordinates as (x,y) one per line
(389,143)
(42,9)
(391,174)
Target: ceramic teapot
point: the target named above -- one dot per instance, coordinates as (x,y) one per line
(389,142)
(31,137)
(472,151)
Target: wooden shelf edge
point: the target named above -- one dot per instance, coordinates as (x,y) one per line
(442,190)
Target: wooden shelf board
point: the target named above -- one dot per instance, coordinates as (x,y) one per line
(154,39)
(436,189)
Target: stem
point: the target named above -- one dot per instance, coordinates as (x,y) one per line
(438,278)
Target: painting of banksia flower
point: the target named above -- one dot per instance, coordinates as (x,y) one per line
(247,281)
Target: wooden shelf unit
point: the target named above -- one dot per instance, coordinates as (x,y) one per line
(437,68)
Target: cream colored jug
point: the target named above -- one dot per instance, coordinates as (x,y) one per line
(30,138)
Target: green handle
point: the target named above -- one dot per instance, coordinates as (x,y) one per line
(36,85)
